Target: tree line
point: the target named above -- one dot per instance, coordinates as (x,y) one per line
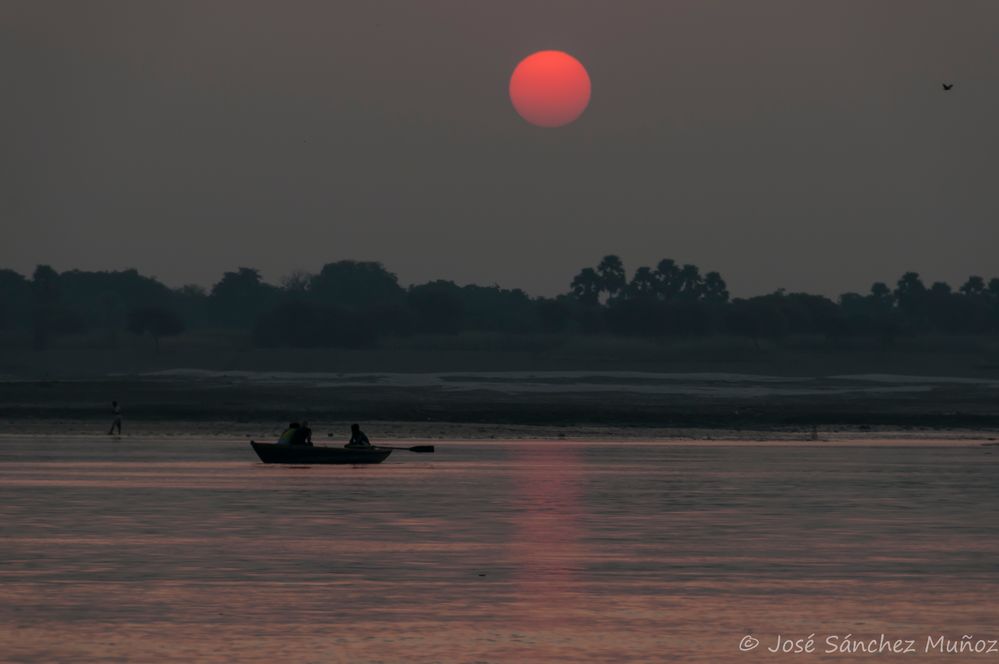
(356,304)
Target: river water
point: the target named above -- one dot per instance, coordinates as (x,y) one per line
(174,549)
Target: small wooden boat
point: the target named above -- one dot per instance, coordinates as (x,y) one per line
(307,455)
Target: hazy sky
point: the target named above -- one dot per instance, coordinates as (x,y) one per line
(796,143)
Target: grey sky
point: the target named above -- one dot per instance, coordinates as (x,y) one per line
(796,144)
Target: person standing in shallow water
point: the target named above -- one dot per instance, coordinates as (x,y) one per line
(357,437)
(116,423)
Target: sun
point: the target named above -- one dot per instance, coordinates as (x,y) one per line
(550,88)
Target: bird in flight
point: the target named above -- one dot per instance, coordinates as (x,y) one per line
(947,86)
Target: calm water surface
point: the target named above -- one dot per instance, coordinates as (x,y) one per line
(157,550)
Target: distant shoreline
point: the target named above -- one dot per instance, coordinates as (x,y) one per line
(388,431)
(548,405)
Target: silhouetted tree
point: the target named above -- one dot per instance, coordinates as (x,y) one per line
(240,296)
(496,309)
(612,276)
(193,305)
(353,304)
(438,307)
(941,288)
(670,280)
(301,324)
(641,316)
(102,298)
(644,285)
(714,288)
(554,315)
(45,284)
(882,295)
(111,311)
(754,318)
(910,291)
(873,315)
(15,299)
(807,314)
(911,299)
(156,321)
(973,287)
(355,285)
(690,282)
(587,286)
(297,283)
(45,293)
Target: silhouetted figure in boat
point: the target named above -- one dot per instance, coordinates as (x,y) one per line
(357,437)
(116,423)
(288,434)
(296,434)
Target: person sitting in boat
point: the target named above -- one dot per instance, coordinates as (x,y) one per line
(357,437)
(304,436)
(290,435)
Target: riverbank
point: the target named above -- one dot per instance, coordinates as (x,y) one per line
(508,405)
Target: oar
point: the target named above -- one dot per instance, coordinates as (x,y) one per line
(419,449)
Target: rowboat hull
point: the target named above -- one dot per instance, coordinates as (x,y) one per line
(306,455)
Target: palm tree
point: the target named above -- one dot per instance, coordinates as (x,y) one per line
(586,286)
(690,282)
(670,283)
(644,284)
(910,290)
(612,275)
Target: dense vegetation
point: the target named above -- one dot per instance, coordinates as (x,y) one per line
(354,304)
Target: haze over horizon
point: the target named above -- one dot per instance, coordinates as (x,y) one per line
(784,145)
